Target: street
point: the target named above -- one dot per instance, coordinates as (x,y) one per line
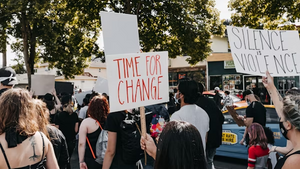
(220,162)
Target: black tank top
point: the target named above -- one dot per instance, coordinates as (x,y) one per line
(93,137)
(281,162)
(34,166)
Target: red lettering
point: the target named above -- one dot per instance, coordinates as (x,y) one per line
(119,93)
(158,82)
(118,67)
(138,85)
(131,91)
(152,57)
(136,67)
(147,69)
(153,87)
(158,62)
(124,68)
(145,89)
(130,65)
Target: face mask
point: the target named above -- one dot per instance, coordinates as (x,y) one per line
(248,102)
(283,130)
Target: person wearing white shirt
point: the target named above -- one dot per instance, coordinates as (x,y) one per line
(82,112)
(188,94)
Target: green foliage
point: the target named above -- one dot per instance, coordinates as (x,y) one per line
(180,27)
(267,14)
(64,32)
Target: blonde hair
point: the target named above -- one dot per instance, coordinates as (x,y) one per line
(291,110)
(17,110)
(42,113)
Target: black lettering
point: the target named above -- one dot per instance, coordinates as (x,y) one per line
(250,55)
(247,63)
(281,65)
(244,38)
(258,65)
(255,39)
(295,63)
(273,41)
(262,38)
(242,64)
(267,62)
(241,45)
(287,68)
(281,40)
(249,41)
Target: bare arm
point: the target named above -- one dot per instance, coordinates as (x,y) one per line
(283,150)
(76,127)
(58,103)
(273,92)
(82,141)
(51,162)
(250,168)
(111,150)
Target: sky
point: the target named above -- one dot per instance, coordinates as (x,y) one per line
(221,5)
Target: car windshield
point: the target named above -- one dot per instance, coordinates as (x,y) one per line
(271,114)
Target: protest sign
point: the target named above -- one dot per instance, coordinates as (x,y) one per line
(101,86)
(64,87)
(256,51)
(120,33)
(80,96)
(137,79)
(42,84)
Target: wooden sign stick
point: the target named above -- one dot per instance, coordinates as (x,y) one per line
(143,127)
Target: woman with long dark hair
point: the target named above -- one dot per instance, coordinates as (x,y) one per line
(90,130)
(258,152)
(179,147)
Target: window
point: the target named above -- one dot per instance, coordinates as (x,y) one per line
(99,70)
(82,81)
(272,116)
(229,119)
(35,70)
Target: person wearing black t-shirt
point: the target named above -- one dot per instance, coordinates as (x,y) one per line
(255,112)
(67,122)
(113,157)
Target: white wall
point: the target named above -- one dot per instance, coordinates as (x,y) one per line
(180,61)
(95,72)
(219,44)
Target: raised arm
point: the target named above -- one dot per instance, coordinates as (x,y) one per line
(58,103)
(273,92)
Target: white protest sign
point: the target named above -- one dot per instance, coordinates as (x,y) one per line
(137,79)
(256,51)
(42,84)
(101,86)
(80,96)
(120,33)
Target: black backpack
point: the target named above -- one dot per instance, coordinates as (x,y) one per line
(130,137)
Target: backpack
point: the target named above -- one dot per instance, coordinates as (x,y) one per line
(160,117)
(101,146)
(130,138)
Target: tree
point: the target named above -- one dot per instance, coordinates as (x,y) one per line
(64,32)
(180,27)
(267,14)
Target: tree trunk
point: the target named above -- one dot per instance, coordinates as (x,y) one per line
(4,57)
(25,34)
(32,48)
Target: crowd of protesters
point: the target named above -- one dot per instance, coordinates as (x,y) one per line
(182,134)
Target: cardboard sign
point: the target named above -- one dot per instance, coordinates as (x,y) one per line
(101,86)
(120,33)
(64,87)
(137,79)
(42,84)
(256,51)
(80,96)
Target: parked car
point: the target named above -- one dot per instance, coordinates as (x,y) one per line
(237,102)
(233,134)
